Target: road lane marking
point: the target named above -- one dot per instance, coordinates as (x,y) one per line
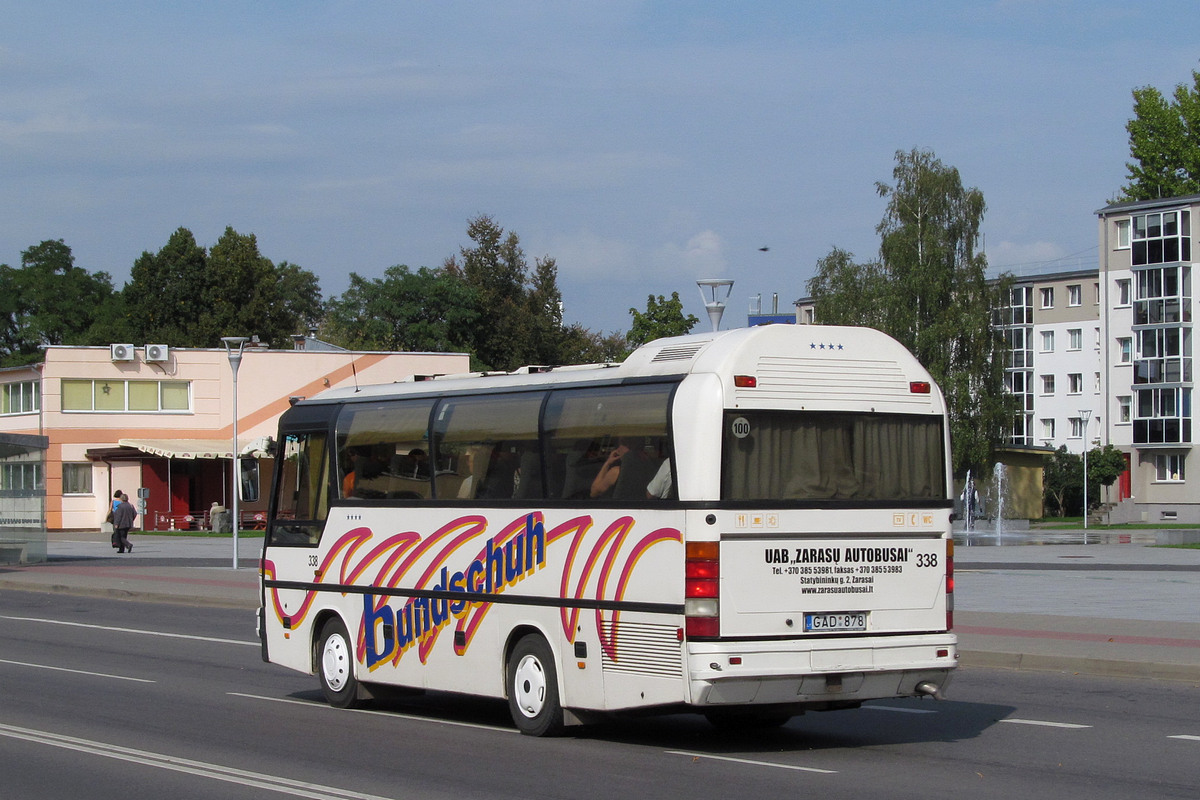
(752,762)
(258,780)
(1045,724)
(1186,737)
(401,715)
(75,671)
(900,710)
(163,634)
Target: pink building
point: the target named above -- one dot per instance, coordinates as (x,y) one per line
(160,419)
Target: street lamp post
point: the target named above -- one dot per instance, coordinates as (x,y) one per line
(233,349)
(1085,418)
(714,300)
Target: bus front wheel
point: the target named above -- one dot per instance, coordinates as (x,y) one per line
(335,665)
(533,688)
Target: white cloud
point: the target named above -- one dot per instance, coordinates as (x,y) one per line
(702,256)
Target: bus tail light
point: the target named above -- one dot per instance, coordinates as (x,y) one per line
(920,387)
(745,381)
(702,580)
(949,584)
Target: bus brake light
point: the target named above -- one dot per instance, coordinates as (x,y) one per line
(920,387)
(701,604)
(949,584)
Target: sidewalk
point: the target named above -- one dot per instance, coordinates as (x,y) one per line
(1128,610)
(1119,609)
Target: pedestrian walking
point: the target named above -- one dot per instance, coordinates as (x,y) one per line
(123,516)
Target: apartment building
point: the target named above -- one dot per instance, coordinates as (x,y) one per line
(1146,324)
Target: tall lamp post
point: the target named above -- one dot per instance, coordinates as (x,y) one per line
(1085,417)
(714,300)
(233,349)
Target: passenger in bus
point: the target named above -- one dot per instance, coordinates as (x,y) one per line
(661,486)
(420,462)
(610,470)
(627,470)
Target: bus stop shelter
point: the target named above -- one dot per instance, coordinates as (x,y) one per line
(22,498)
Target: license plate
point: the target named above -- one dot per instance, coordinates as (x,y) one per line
(855,621)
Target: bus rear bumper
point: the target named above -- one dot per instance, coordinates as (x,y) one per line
(824,673)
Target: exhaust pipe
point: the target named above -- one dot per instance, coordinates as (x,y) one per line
(930,689)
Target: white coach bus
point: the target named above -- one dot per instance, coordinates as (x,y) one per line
(746,524)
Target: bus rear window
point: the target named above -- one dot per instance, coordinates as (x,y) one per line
(777,455)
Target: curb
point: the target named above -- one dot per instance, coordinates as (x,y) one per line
(1099,667)
(134,595)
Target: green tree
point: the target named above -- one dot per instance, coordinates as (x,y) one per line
(583,346)
(521,309)
(545,314)
(495,267)
(187,297)
(427,311)
(662,318)
(929,291)
(166,294)
(1062,483)
(1105,465)
(849,293)
(50,301)
(1164,143)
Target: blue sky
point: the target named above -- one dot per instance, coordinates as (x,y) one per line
(642,145)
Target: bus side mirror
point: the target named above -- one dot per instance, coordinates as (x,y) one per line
(248,480)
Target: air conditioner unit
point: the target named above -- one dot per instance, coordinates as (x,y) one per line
(121,352)
(157,352)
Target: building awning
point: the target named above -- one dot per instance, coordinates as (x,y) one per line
(181,448)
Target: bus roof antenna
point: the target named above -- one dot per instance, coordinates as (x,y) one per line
(714,300)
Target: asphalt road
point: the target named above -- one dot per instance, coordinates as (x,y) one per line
(110,699)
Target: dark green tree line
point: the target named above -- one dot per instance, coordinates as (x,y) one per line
(49,301)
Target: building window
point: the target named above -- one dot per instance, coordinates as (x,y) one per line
(150,397)
(1047,428)
(1122,226)
(20,398)
(1047,341)
(1125,344)
(1168,467)
(77,478)
(1075,381)
(1163,296)
(1125,409)
(1048,297)
(1075,295)
(1123,295)
(1163,355)
(1163,416)
(1162,238)
(21,477)
(1075,339)
(1076,427)
(1096,292)
(1047,384)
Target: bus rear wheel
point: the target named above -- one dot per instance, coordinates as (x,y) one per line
(532,682)
(335,665)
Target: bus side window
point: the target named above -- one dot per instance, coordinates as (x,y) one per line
(610,440)
(492,441)
(383,450)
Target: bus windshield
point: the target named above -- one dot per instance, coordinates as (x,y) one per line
(789,455)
